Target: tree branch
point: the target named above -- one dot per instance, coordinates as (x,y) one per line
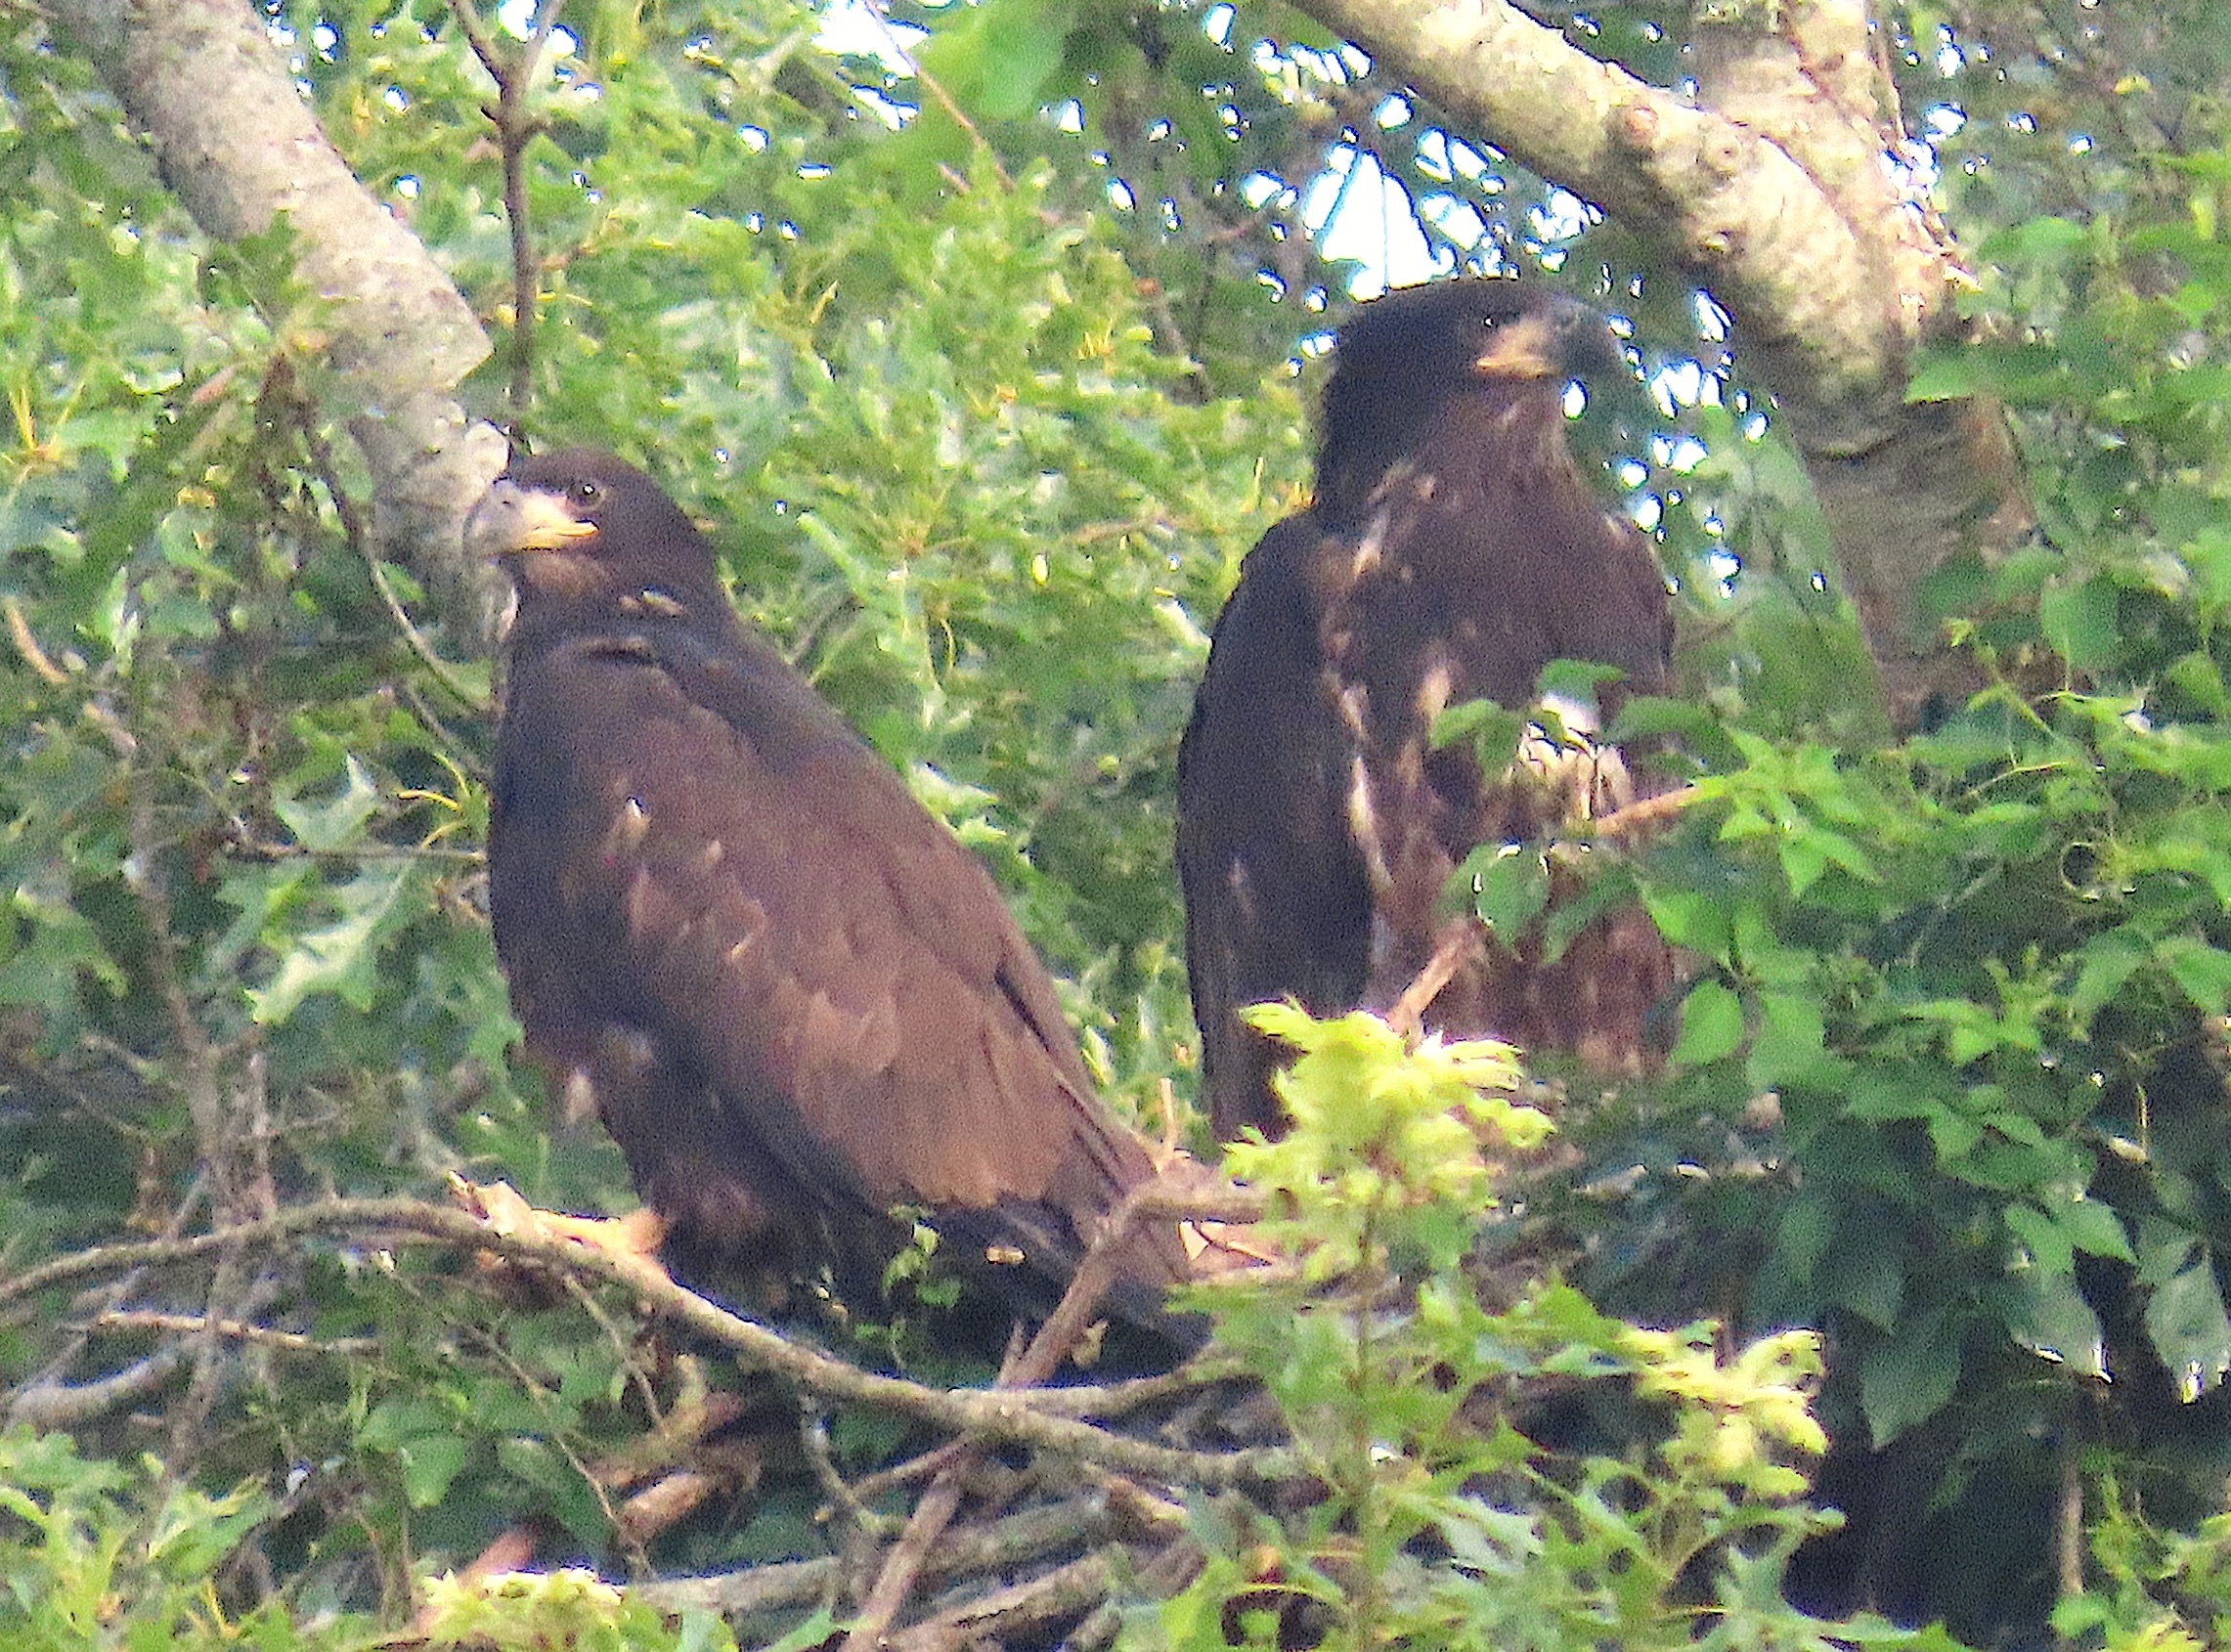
(202,80)
(515,128)
(998,1417)
(999,1546)
(1773,195)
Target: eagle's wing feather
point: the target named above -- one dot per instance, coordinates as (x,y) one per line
(1276,899)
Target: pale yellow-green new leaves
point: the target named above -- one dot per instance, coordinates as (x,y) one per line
(1739,1414)
(1388,1139)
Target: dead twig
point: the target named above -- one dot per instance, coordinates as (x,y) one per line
(297,407)
(1063,1592)
(51,1404)
(943,98)
(1407,1014)
(1056,1339)
(844,1498)
(1644,815)
(1002,1545)
(515,129)
(232,1330)
(27,645)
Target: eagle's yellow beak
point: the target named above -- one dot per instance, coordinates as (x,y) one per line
(1529,347)
(509,521)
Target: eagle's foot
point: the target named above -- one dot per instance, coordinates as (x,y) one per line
(632,1240)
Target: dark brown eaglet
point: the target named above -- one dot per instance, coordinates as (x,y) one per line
(1451,550)
(795,999)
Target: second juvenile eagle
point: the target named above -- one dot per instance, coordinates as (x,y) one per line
(796,1000)
(1451,550)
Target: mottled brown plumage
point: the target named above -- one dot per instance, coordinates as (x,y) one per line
(797,1001)
(1451,549)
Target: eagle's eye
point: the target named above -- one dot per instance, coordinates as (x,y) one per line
(585,492)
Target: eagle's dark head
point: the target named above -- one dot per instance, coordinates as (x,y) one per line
(578,527)
(1404,358)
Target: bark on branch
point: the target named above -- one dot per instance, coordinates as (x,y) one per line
(1770,190)
(998,1417)
(203,82)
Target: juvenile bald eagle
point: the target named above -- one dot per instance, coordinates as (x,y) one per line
(796,1000)
(1451,549)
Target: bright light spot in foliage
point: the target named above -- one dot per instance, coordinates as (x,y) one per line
(1677,385)
(851,28)
(1943,120)
(1354,211)
(1563,217)
(1256,188)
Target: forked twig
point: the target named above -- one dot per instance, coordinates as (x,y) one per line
(515,129)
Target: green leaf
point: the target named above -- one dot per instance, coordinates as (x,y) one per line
(1508,884)
(430,1463)
(2082,623)
(2200,970)
(2050,1250)
(2188,1328)
(2052,1317)
(1945,375)
(1791,1040)
(1492,729)
(1697,920)
(340,957)
(1865,1271)
(2105,961)
(1711,1024)
(1022,45)
(2094,1229)
(1802,1238)
(1576,679)
(1908,1379)
(335,823)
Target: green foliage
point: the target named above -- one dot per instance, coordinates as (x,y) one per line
(563,1611)
(1439,1522)
(107,1555)
(2162,1590)
(1975,971)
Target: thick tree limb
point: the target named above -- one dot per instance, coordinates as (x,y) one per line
(1775,196)
(203,81)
